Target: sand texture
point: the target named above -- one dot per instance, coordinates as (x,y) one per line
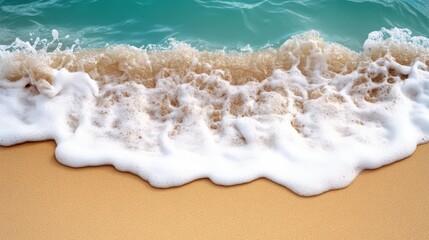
(41,199)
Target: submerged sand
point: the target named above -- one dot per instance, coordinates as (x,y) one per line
(41,199)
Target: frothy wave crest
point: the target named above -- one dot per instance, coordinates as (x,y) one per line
(309,115)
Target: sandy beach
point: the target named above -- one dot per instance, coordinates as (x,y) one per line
(41,199)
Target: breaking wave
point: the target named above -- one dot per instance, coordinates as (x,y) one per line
(309,115)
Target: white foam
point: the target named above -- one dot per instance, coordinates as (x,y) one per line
(55,34)
(306,127)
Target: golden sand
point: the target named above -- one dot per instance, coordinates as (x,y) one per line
(41,199)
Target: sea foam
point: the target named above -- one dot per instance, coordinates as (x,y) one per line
(309,115)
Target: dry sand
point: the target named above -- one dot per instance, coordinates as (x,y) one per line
(41,199)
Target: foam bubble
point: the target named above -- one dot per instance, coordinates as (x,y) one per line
(55,35)
(309,115)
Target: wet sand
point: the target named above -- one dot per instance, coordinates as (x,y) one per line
(41,199)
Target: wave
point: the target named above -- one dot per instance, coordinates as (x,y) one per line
(309,115)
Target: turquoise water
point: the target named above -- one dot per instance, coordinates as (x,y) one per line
(207,24)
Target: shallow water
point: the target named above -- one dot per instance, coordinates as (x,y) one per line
(208,24)
(306,112)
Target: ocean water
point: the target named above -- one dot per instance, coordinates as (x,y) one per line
(305,93)
(208,24)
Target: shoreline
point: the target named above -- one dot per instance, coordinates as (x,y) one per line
(42,199)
